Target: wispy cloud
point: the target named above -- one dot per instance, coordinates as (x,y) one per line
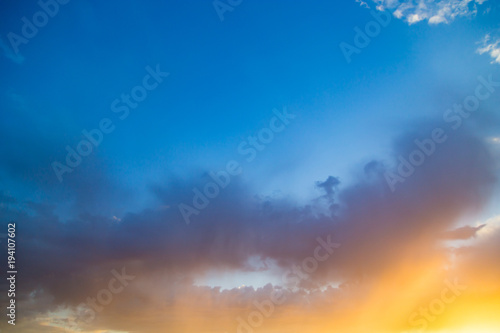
(363,4)
(435,12)
(490,46)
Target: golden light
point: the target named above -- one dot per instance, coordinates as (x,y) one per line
(471,329)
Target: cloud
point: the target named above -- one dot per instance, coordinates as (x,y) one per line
(490,46)
(67,260)
(329,185)
(363,4)
(477,264)
(435,12)
(463,233)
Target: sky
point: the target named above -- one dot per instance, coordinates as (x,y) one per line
(251,166)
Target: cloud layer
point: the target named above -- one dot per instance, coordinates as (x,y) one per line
(386,238)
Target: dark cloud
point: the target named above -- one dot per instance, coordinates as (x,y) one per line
(329,185)
(71,259)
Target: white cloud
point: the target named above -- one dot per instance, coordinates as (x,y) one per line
(436,19)
(492,226)
(490,46)
(363,4)
(414,18)
(435,12)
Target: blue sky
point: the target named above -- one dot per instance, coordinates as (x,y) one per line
(226,81)
(226,77)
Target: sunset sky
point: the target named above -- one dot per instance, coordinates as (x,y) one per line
(251,166)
